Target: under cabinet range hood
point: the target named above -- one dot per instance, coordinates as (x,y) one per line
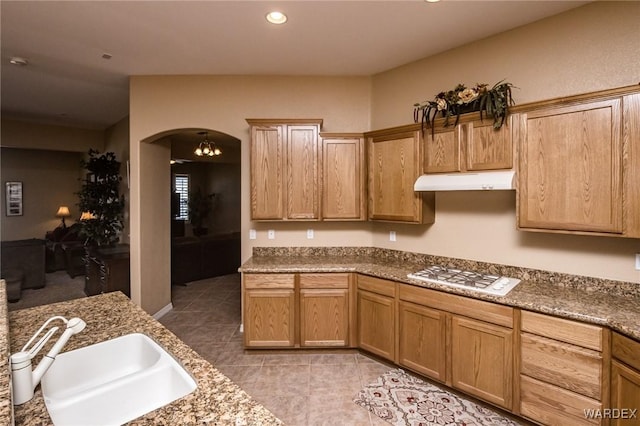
(480,181)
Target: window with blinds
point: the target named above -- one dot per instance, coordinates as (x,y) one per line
(181,183)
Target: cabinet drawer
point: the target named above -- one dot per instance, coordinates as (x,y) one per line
(577,333)
(567,366)
(324,280)
(626,350)
(377,285)
(472,308)
(269,281)
(552,405)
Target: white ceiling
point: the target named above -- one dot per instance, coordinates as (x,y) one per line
(68,82)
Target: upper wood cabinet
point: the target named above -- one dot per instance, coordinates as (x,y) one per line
(578,166)
(343,176)
(394,164)
(470,146)
(285,164)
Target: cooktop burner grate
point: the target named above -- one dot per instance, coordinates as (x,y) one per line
(487,283)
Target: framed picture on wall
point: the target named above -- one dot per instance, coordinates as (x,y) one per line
(13,194)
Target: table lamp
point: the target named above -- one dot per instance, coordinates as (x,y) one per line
(63,211)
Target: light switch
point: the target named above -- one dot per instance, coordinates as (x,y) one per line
(271,234)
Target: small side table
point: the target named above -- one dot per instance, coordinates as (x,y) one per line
(107,270)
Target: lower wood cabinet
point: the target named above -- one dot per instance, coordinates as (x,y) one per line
(324,310)
(376,316)
(625,380)
(482,360)
(550,370)
(297,310)
(563,370)
(465,343)
(269,310)
(422,340)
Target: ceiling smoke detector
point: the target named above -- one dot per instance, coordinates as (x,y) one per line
(16,60)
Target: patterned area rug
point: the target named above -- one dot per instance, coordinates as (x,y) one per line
(402,399)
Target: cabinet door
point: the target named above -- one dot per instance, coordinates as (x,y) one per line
(570,174)
(343,178)
(268,302)
(442,150)
(482,360)
(625,393)
(302,190)
(269,318)
(487,148)
(324,317)
(394,165)
(267,153)
(422,340)
(376,324)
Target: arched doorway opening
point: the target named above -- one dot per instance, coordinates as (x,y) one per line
(205,205)
(152,186)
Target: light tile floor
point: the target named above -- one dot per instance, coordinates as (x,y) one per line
(301,387)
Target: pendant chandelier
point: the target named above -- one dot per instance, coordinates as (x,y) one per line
(207,147)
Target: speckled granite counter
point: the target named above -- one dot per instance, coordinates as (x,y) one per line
(5,401)
(216,401)
(615,304)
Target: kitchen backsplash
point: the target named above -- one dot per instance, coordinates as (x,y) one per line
(381,255)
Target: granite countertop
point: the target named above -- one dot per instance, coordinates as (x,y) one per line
(216,401)
(5,400)
(614,304)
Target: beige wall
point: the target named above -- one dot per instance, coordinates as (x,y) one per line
(159,104)
(22,134)
(116,140)
(50,179)
(590,48)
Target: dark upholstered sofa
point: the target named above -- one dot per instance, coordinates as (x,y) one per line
(26,256)
(55,243)
(197,258)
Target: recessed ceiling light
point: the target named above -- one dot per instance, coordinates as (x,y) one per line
(16,60)
(432,1)
(277,18)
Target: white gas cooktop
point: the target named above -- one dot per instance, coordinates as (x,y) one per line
(470,280)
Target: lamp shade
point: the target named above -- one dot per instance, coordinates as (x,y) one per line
(63,211)
(87,216)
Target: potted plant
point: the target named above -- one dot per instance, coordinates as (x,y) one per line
(101,204)
(200,206)
(494,103)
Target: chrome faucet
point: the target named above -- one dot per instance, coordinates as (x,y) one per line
(23,379)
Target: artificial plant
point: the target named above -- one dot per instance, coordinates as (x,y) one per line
(100,197)
(493,102)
